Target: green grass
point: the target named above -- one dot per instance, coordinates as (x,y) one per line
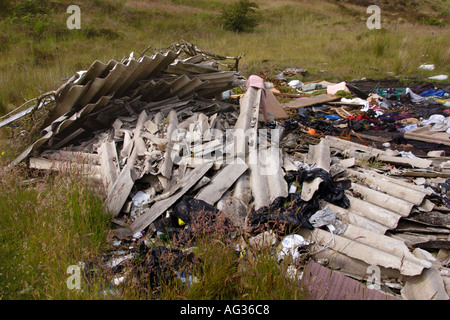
(223,273)
(45,227)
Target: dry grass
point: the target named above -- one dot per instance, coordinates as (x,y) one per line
(329,38)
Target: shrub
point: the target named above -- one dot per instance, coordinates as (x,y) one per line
(240,16)
(430,21)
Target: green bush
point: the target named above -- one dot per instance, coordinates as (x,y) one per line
(240,16)
(430,21)
(31,16)
(27,7)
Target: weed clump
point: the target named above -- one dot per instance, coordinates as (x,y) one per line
(241,16)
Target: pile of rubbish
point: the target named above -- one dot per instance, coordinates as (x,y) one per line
(171,143)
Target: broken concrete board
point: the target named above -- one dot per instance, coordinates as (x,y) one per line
(221,183)
(319,156)
(347,163)
(31,149)
(426,286)
(433,218)
(249,109)
(242,189)
(151,127)
(92,172)
(273,173)
(436,153)
(166,168)
(258,182)
(352,148)
(109,163)
(119,192)
(398,181)
(413,162)
(233,208)
(83,157)
(433,245)
(151,214)
(127,145)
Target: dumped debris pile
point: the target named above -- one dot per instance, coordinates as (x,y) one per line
(171,144)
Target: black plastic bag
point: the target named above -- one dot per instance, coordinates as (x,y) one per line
(290,211)
(329,190)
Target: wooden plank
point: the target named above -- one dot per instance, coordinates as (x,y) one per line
(151,214)
(374,138)
(274,107)
(221,183)
(424,134)
(119,192)
(310,101)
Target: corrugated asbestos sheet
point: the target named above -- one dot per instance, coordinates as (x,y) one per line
(94,98)
(265,177)
(377,203)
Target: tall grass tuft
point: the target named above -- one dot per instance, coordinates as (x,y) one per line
(46,225)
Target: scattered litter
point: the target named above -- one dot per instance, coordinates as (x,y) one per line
(439,77)
(427,67)
(353,178)
(292,245)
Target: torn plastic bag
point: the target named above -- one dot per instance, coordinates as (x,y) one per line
(329,190)
(303,116)
(323,217)
(293,245)
(291,212)
(290,125)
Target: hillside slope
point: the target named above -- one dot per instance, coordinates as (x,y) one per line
(328,38)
